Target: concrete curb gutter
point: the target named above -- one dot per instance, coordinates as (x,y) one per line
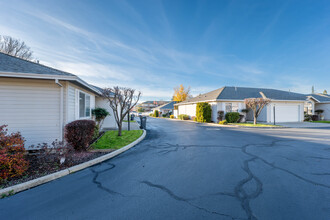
(41,180)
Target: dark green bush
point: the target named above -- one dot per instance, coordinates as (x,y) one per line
(203,112)
(232,117)
(100,114)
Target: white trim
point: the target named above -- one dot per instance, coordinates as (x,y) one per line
(67,103)
(36,76)
(90,109)
(61,108)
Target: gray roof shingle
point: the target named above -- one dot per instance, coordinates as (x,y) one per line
(241,93)
(169,105)
(320,97)
(10,64)
(13,64)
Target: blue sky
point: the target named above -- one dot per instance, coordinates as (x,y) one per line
(154,46)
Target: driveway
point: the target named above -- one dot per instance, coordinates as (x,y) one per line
(185,170)
(304,125)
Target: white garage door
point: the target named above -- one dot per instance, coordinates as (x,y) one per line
(287,113)
(32,108)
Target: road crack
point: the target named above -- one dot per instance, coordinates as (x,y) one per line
(99,183)
(185,200)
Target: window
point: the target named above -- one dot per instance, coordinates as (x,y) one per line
(228,107)
(84,105)
(232,107)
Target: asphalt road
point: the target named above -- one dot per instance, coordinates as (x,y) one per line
(184,170)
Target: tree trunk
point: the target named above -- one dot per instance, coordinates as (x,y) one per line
(255,120)
(119,130)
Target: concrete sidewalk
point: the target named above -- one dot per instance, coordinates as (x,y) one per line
(304,125)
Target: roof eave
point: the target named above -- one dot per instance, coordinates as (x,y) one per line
(48,76)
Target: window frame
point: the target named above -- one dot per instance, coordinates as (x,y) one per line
(231,106)
(86,107)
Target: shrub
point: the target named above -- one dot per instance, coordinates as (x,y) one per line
(307,117)
(100,114)
(79,134)
(245,110)
(51,156)
(319,111)
(203,112)
(315,117)
(220,115)
(151,114)
(224,122)
(183,117)
(232,117)
(12,161)
(156,113)
(96,132)
(194,118)
(171,116)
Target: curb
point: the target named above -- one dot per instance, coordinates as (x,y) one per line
(41,180)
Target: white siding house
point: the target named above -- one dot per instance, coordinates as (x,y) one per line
(39,101)
(320,102)
(289,106)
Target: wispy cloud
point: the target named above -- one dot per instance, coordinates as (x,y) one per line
(123,46)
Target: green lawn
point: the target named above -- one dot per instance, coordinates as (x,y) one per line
(111,140)
(321,121)
(127,121)
(248,124)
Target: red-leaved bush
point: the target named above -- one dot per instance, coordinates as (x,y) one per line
(12,161)
(79,134)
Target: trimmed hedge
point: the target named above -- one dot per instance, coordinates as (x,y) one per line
(232,117)
(203,112)
(171,116)
(79,134)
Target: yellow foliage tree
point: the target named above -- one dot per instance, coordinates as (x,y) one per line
(181,93)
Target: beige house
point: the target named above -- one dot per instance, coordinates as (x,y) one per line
(39,101)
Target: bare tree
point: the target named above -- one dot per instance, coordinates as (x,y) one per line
(14,47)
(121,100)
(256,104)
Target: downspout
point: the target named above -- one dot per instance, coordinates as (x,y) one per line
(61,108)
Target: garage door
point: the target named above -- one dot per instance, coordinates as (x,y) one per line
(32,108)
(287,113)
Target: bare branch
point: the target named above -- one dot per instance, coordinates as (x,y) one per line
(14,47)
(256,104)
(121,101)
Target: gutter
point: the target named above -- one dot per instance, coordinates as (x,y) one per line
(61,108)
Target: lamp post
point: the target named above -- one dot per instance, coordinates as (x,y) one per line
(129,126)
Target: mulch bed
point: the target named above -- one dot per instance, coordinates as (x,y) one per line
(38,169)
